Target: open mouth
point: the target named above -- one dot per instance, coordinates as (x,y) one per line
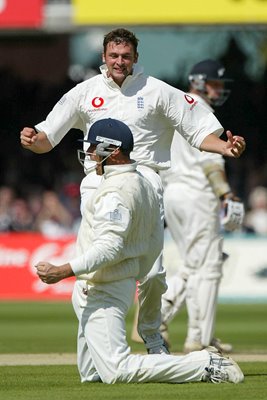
(119,70)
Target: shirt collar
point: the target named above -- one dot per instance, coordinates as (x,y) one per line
(111,170)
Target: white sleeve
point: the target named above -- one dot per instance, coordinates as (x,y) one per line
(190,118)
(63,117)
(110,226)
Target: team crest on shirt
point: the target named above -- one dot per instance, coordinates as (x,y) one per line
(115,215)
(140,103)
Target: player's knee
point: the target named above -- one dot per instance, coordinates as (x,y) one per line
(212,271)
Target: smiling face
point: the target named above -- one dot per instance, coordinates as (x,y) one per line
(119,58)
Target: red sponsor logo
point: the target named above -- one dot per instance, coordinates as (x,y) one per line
(189,99)
(20,252)
(97,102)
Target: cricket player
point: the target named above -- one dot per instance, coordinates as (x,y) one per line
(193,219)
(119,239)
(153,110)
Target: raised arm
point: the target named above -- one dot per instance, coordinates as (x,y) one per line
(233,147)
(36,142)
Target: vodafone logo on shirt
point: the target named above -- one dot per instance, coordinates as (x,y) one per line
(189,99)
(97,102)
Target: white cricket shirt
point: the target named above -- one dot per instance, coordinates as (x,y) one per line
(121,233)
(187,162)
(151,108)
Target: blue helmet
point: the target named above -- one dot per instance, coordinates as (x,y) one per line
(109,131)
(209,70)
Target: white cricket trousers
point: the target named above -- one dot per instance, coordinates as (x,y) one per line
(193,221)
(151,287)
(102,350)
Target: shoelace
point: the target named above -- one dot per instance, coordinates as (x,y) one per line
(215,375)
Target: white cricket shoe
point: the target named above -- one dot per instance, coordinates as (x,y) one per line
(155,344)
(221,369)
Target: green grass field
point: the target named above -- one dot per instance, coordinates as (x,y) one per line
(51,328)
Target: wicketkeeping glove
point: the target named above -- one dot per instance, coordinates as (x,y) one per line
(233,215)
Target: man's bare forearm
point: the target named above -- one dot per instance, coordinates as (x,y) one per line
(233,147)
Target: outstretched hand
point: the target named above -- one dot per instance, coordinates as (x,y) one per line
(235,145)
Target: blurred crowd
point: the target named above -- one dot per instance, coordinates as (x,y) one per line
(58,214)
(47,212)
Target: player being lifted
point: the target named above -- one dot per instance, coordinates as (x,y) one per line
(153,110)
